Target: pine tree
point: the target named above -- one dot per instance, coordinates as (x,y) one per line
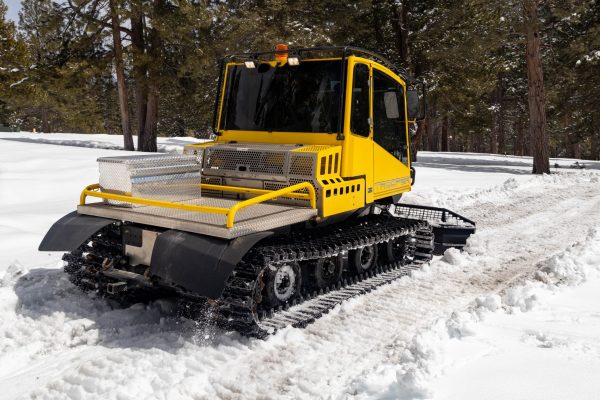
(536,93)
(13,60)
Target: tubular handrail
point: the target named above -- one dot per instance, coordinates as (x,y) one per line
(263,195)
(92,191)
(272,195)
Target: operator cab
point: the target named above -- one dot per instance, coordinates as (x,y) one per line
(335,96)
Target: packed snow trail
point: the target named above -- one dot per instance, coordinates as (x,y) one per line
(56,342)
(538,339)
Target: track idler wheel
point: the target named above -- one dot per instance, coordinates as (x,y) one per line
(363,259)
(400,249)
(282,283)
(325,272)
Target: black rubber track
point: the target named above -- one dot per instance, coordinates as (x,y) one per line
(241,307)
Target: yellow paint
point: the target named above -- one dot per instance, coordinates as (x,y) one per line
(390,175)
(342,196)
(193,148)
(311,149)
(360,158)
(270,196)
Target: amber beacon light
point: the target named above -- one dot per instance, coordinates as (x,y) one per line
(281,54)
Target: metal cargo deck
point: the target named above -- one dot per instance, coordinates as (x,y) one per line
(256,218)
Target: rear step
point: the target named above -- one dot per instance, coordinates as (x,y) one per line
(116,287)
(450,229)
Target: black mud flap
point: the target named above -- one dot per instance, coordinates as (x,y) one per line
(449,228)
(69,232)
(199,264)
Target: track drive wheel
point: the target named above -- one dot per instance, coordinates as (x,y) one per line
(363,259)
(282,283)
(325,272)
(400,249)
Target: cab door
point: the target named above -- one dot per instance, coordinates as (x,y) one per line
(391,169)
(358,146)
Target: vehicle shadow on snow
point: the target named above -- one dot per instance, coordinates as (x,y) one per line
(47,293)
(95,144)
(492,168)
(499,163)
(67,142)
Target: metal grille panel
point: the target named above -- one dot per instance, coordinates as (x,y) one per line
(263,162)
(302,165)
(270,166)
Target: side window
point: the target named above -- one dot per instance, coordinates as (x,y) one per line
(360,123)
(389,129)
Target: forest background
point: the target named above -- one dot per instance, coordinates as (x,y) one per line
(149,67)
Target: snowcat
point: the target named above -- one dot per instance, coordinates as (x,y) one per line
(290,210)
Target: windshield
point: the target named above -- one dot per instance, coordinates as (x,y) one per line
(302,98)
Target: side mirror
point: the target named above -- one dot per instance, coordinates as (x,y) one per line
(390,99)
(415,102)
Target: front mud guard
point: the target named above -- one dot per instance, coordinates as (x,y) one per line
(71,231)
(199,264)
(196,263)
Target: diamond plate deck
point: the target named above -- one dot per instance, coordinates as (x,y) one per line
(255,218)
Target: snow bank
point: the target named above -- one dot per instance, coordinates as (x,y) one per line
(95,141)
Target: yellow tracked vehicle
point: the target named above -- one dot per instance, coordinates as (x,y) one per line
(293,208)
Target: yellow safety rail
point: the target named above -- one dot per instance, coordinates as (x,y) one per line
(263,195)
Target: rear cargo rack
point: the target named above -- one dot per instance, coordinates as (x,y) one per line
(450,229)
(294,191)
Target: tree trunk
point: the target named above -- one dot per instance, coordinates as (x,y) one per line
(378,16)
(445,133)
(520,138)
(595,147)
(416,140)
(535,78)
(431,126)
(154,53)
(501,130)
(120,72)
(400,21)
(139,70)
(594,141)
(45,122)
(567,138)
(150,130)
(494,133)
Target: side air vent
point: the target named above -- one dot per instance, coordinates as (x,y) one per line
(302,165)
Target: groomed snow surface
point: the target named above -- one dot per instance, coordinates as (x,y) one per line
(516,315)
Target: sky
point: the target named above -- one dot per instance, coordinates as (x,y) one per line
(13,9)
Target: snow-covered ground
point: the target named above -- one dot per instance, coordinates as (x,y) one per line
(516,315)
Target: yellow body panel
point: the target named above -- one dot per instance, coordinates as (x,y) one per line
(390,175)
(278,137)
(193,148)
(338,195)
(352,172)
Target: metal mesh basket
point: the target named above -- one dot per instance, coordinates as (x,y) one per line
(434,215)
